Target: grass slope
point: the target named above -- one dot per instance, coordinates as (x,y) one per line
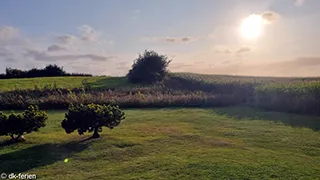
(224,143)
(62,82)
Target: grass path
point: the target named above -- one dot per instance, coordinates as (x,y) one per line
(224,143)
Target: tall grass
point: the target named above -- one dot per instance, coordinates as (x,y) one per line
(297,95)
(298,98)
(137,98)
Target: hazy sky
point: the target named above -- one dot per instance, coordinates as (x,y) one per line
(202,36)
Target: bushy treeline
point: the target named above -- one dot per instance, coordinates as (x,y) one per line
(48,71)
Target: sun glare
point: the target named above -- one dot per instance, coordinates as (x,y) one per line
(251,27)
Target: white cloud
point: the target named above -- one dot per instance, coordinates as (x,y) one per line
(14,48)
(270,16)
(10,36)
(243,50)
(299,2)
(222,49)
(44,56)
(56,48)
(66,39)
(4,52)
(8,33)
(88,34)
(226,50)
(170,39)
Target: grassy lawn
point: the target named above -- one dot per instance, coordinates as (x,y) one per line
(223,143)
(62,82)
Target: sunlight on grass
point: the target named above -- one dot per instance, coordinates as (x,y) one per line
(173,144)
(63,82)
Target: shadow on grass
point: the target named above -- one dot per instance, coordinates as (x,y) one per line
(7,143)
(294,120)
(40,155)
(110,82)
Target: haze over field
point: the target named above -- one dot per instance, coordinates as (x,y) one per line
(238,37)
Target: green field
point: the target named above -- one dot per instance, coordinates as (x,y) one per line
(114,82)
(221,143)
(62,82)
(96,82)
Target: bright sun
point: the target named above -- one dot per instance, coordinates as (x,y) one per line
(251,27)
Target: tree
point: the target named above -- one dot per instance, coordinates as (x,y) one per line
(91,117)
(150,67)
(15,125)
(15,73)
(34,72)
(54,70)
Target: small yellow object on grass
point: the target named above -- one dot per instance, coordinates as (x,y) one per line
(66,160)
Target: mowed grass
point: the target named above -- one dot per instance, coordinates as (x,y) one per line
(62,82)
(222,143)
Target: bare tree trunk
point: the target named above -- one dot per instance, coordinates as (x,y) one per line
(20,137)
(96,134)
(12,137)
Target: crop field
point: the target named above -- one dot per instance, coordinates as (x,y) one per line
(219,143)
(206,78)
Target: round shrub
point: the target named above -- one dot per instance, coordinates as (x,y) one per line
(91,117)
(15,125)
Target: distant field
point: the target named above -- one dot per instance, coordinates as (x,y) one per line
(114,82)
(61,82)
(206,78)
(185,144)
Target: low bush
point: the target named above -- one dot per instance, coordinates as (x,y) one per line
(91,118)
(15,125)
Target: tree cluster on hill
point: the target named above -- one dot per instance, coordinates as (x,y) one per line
(48,71)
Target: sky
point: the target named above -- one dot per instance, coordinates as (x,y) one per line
(103,37)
